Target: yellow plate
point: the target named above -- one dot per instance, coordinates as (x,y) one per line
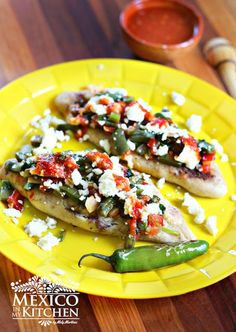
(28,96)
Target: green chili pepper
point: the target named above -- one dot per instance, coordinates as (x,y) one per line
(114,117)
(141,136)
(24,152)
(162,115)
(146,258)
(169,161)
(120,142)
(61,235)
(129,241)
(6,190)
(127,99)
(169,231)
(13,165)
(203,145)
(71,192)
(29,186)
(142,149)
(67,126)
(106,206)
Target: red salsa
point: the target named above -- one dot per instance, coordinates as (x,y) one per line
(162,25)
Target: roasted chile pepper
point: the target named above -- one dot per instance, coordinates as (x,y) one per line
(146,258)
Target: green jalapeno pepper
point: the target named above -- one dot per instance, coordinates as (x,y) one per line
(146,258)
(120,141)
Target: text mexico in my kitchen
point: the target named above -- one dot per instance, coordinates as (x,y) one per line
(44,301)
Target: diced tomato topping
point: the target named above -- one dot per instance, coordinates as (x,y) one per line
(70,163)
(16,200)
(159,121)
(54,166)
(190,141)
(121,183)
(80,133)
(155,220)
(137,206)
(79,120)
(109,129)
(152,144)
(206,162)
(149,116)
(154,223)
(101,159)
(114,108)
(132,226)
(104,101)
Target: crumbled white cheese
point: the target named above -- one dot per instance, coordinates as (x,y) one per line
(107,184)
(36,227)
(48,241)
(218,147)
(211,225)
(116,166)
(50,140)
(61,136)
(60,272)
(97,171)
(166,112)
(160,183)
(51,223)
(152,208)
(194,123)
(233,198)
(119,91)
(149,190)
(95,106)
(47,111)
(168,131)
(177,98)
(200,217)
(100,66)
(12,213)
(104,143)
(224,158)
(131,145)
(134,113)
(194,208)
(34,121)
(91,204)
(50,185)
(123,126)
(162,150)
(232,252)
(144,104)
(76,177)
(189,157)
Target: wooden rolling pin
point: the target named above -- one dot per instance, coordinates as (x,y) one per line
(222,55)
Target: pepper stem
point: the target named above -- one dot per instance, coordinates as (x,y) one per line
(103,257)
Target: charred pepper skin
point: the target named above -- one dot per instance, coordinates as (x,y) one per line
(146,258)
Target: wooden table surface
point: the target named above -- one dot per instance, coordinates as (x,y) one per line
(38,33)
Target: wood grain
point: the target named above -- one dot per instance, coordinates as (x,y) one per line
(37,33)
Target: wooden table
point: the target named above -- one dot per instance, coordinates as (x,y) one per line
(38,33)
